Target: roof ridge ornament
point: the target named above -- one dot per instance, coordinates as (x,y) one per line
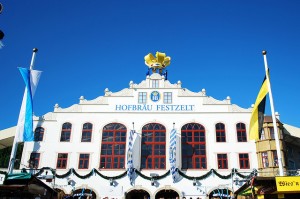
(160,62)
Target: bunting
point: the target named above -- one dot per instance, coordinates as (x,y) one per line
(172,155)
(130,168)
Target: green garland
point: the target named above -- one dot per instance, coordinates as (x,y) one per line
(213,171)
(64,175)
(154,177)
(113,178)
(197,178)
(253,173)
(95,171)
(84,176)
(223,176)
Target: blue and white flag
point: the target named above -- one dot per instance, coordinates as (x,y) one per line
(24,131)
(172,155)
(130,168)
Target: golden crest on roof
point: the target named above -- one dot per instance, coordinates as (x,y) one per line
(161,61)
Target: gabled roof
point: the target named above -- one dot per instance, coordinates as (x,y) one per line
(291,130)
(7,137)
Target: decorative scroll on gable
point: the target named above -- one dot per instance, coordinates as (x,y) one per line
(186,92)
(169,85)
(47,116)
(98,100)
(123,93)
(211,100)
(143,84)
(73,108)
(236,108)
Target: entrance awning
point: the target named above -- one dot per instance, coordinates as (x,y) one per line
(258,186)
(20,184)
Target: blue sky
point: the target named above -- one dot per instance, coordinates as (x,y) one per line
(87,46)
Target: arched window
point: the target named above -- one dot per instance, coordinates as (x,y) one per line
(241,132)
(193,145)
(113,146)
(39,134)
(153,146)
(87,132)
(220,132)
(66,132)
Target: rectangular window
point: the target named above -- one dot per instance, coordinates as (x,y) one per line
(272,135)
(244,161)
(84,161)
(155,83)
(262,136)
(34,160)
(265,160)
(62,159)
(222,161)
(275,158)
(168,97)
(142,98)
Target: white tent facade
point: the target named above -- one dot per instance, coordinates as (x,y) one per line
(75,153)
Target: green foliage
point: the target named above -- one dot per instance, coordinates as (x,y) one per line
(95,171)
(5,156)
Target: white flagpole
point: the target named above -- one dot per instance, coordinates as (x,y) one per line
(273,116)
(33,58)
(15,143)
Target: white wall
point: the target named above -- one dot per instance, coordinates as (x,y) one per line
(101,111)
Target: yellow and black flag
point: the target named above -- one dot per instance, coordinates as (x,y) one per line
(257,116)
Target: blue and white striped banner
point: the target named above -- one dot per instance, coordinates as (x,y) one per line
(82,193)
(172,155)
(25,124)
(130,168)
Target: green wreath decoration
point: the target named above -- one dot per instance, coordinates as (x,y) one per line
(95,171)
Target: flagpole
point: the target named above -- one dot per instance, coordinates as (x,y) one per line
(33,58)
(273,116)
(15,143)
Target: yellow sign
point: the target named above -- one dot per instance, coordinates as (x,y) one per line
(260,196)
(288,184)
